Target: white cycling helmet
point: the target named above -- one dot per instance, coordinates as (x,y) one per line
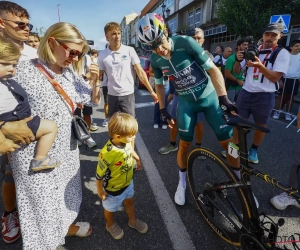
(149,28)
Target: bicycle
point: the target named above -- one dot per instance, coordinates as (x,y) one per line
(228,204)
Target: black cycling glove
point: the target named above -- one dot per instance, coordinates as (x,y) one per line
(226,105)
(165,116)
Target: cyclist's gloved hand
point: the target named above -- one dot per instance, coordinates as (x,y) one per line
(165,116)
(226,105)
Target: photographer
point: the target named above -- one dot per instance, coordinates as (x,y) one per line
(265,66)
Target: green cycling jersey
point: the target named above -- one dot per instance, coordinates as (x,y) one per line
(186,68)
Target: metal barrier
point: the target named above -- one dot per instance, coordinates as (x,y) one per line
(294,117)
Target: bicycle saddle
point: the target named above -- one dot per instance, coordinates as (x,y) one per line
(237,121)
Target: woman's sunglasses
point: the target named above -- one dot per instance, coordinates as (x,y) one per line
(21,25)
(154,44)
(72,52)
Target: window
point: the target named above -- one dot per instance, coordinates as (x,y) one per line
(198,18)
(173,25)
(191,20)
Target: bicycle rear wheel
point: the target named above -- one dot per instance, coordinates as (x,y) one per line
(225,209)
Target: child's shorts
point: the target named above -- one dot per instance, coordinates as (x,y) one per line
(112,203)
(34,124)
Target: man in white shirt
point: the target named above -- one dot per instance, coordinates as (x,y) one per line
(289,84)
(118,60)
(14,25)
(258,94)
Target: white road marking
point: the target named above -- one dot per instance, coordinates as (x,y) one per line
(177,232)
(144,104)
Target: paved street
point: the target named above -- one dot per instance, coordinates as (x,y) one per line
(171,226)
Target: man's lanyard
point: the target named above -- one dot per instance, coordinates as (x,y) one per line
(256,70)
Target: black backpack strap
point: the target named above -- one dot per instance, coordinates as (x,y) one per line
(272,58)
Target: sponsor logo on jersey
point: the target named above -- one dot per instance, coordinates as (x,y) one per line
(183,62)
(223,126)
(190,91)
(165,67)
(166,71)
(181,49)
(183,130)
(124,57)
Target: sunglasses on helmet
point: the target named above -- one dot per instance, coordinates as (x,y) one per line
(21,25)
(154,44)
(72,52)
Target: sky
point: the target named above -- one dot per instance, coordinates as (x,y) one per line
(90,16)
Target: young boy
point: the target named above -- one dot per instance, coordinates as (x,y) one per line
(114,173)
(14,106)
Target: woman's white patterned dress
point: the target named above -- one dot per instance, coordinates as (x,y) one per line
(49,200)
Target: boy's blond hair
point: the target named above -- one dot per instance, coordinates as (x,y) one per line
(111,26)
(122,124)
(9,51)
(64,33)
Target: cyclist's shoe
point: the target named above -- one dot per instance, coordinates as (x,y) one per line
(276,115)
(223,153)
(180,195)
(167,149)
(253,158)
(256,201)
(283,200)
(10,227)
(288,117)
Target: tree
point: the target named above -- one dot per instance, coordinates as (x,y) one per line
(249,17)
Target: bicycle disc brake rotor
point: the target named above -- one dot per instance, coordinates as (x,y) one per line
(248,242)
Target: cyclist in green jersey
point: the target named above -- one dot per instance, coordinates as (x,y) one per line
(187,64)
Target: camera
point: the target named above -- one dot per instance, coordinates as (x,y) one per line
(252,51)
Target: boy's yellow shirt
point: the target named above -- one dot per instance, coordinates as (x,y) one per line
(115,166)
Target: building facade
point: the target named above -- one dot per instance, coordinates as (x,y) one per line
(126,27)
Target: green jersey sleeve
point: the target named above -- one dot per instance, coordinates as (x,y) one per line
(158,74)
(197,52)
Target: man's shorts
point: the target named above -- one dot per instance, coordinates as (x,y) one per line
(104,92)
(112,203)
(258,104)
(34,124)
(124,104)
(289,85)
(87,110)
(173,111)
(6,170)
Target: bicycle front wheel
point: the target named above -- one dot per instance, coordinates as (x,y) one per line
(223,205)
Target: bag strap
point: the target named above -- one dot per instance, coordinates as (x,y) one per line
(55,84)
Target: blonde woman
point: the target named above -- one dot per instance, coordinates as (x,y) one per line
(49,201)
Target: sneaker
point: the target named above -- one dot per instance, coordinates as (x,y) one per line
(223,153)
(140,226)
(155,126)
(276,115)
(164,126)
(105,122)
(90,142)
(94,127)
(283,200)
(180,195)
(11,227)
(167,149)
(288,117)
(253,158)
(256,201)
(115,231)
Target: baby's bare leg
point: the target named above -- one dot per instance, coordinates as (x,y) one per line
(45,135)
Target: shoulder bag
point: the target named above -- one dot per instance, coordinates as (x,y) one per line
(79,127)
